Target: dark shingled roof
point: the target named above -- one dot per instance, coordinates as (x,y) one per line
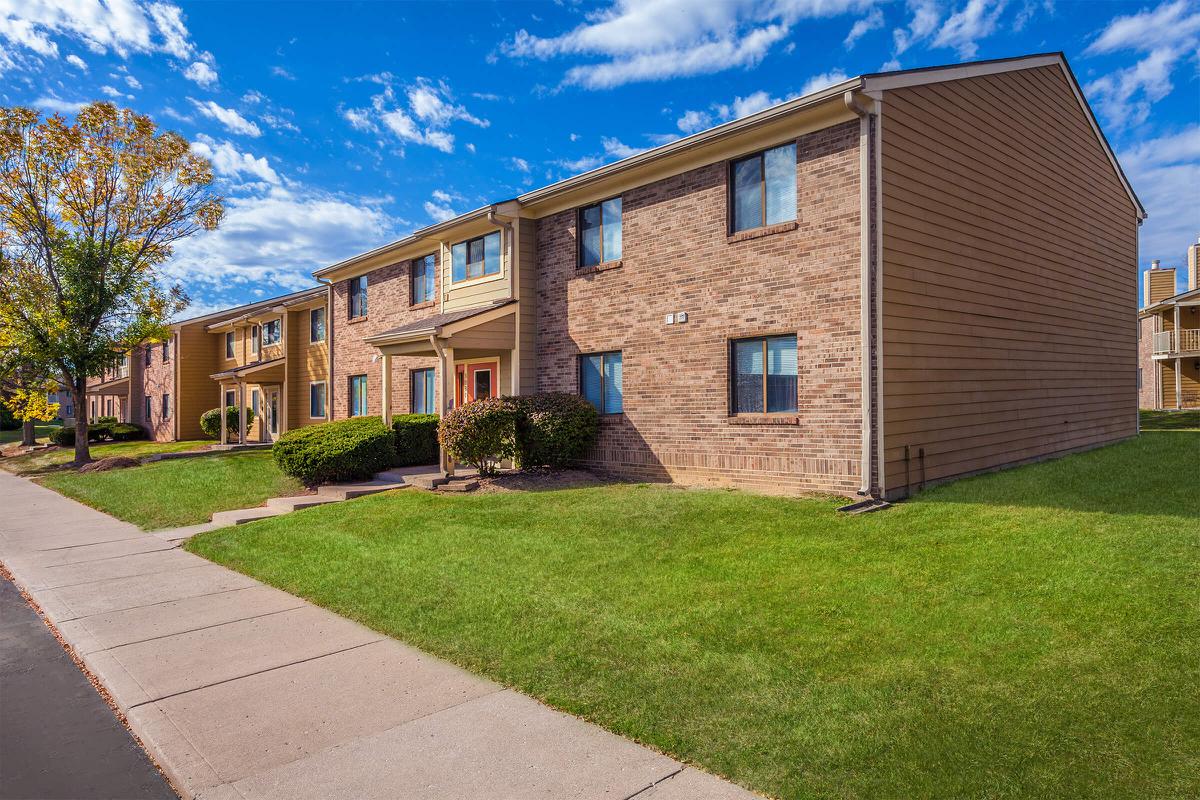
(438,320)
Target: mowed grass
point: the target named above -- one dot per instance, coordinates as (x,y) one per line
(1170,420)
(58,458)
(41,433)
(1031,633)
(171,494)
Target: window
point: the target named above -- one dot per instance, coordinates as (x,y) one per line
(316,400)
(166,406)
(423,383)
(423,279)
(149,406)
(166,352)
(229,345)
(316,326)
(756,390)
(270,333)
(147,353)
(70,410)
(358,297)
(476,257)
(230,398)
(358,395)
(763,188)
(255,339)
(255,403)
(600,381)
(600,233)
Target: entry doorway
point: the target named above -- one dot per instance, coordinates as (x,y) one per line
(476,380)
(271,414)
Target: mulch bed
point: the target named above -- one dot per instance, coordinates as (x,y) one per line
(539,480)
(112,462)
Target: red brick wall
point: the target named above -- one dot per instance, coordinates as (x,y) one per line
(677,257)
(1149,393)
(388,296)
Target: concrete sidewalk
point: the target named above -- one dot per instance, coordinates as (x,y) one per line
(242,691)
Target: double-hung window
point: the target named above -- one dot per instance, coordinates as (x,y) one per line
(475,258)
(255,339)
(147,354)
(423,279)
(600,233)
(270,332)
(358,297)
(600,381)
(316,326)
(166,351)
(316,400)
(166,406)
(358,395)
(229,345)
(149,407)
(230,398)
(423,384)
(763,188)
(764,375)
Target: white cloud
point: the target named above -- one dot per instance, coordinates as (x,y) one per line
(56,104)
(232,120)
(253,97)
(964,28)
(423,117)
(618,149)
(201,73)
(1165,172)
(439,208)
(580,164)
(926,14)
(280,72)
(278,237)
(519,164)
(229,162)
(693,121)
(863,26)
(132,82)
(661,39)
(1168,25)
(823,81)
(77,62)
(122,26)
(111,91)
(1124,97)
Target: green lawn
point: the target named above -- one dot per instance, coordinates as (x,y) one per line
(41,434)
(53,460)
(1170,420)
(186,491)
(1031,633)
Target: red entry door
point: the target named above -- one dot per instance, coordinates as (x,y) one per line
(476,381)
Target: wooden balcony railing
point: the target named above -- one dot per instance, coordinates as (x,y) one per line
(1187,341)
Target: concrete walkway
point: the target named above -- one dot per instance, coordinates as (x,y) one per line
(242,691)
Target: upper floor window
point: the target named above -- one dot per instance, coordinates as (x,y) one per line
(270,332)
(600,233)
(146,354)
(166,351)
(763,188)
(358,395)
(166,406)
(476,257)
(423,279)
(423,383)
(601,382)
(229,345)
(255,339)
(316,326)
(358,297)
(764,378)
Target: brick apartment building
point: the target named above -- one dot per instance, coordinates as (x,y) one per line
(845,292)
(1169,338)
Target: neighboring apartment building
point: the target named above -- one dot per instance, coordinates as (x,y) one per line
(846,292)
(1169,338)
(270,357)
(137,389)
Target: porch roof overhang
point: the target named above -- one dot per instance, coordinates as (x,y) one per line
(115,386)
(1188,298)
(490,327)
(270,371)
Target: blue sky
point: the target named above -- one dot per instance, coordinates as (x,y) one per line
(336,127)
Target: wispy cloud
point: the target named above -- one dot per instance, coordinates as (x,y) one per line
(230,119)
(420,112)
(230,162)
(201,73)
(863,26)
(1165,172)
(439,208)
(964,28)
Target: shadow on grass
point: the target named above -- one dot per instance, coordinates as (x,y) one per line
(1155,474)
(1170,420)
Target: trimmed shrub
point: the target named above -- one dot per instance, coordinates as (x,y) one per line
(64,436)
(349,449)
(416,439)
(106,421)
(481,433)
(126,432)
(210,421)
(554,429)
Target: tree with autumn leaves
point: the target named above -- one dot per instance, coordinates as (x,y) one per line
(89,212)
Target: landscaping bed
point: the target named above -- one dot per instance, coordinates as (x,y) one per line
(1030,633)
(171,494)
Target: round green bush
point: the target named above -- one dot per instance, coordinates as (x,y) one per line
(554,429)
(126,432)
(416,439)
(106,421)
(349,449)
(64,436)
(210,421)
(481,433)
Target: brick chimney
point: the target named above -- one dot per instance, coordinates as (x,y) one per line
(1194,266)
(1159,284)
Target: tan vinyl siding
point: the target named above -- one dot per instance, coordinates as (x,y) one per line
(478,291)
(527,310)
(1189,383)
(199,354)
(1161,285)
(307,362)
(1009,275)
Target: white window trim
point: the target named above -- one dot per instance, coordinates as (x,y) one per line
(311,384)
(230,346)
(324,326)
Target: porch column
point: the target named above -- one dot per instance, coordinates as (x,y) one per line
(385,390)
(1178,374)
(224,422)
(446,372)
(241,395)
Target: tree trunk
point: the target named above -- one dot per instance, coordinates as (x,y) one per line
(28,438)
(83,453)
